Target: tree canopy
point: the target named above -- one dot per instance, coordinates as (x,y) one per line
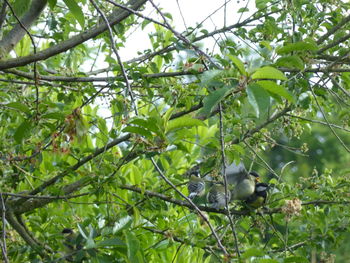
(102,143)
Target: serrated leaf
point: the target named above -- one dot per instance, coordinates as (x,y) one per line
(22,131)
(112,242)
(239,64)
(276,89)
(213,99)
(258,98)
(268,73)
(298,46)
(183,122)
(138,130)
(290,62)
(76,11)
(18,106)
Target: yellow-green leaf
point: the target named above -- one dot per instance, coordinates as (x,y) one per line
(268,73)
(183,122)
(239,64)
(76,11)
(274,88)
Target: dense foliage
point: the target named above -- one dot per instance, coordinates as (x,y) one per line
(107,151)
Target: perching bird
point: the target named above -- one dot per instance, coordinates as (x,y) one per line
(242,182)
(196,185)
(258,199)
(216,196)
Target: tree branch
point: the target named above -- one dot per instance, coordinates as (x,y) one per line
(117,16)
(18,32)
(333,30)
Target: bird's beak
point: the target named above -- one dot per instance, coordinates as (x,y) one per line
(257,179)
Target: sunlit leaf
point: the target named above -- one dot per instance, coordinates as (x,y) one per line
(298,46)
(273,87)
(18,106)
(268,73)
(239,64)
(258,98)
(76,11)
(183,122)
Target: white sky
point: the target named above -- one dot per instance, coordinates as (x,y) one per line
(194,12)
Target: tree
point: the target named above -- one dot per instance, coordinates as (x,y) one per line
(108,151)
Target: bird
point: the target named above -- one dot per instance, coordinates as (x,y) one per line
(241,181)
(258,198)
(216,196)
(196,185)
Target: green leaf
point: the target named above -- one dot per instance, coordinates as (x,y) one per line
(149,124)
(112,242)
(20,7)
(258,98)
(183,122)
(133,245)
(209,75)
(213,99)
(268,73)
(52,3)
(298,46)
(239,64)
(267,260)
(295,259)
(243,9)
(53,115)
(253,252)
(22,131)
(291,62)
(76,11)
(138,130)
(18,106)
(123,223)
(274,88)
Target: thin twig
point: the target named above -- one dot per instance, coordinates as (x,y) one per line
(223,160)
(127,83)
(326,119)
(3,242)
(319,122)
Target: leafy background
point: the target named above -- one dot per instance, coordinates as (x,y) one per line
(104,145)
